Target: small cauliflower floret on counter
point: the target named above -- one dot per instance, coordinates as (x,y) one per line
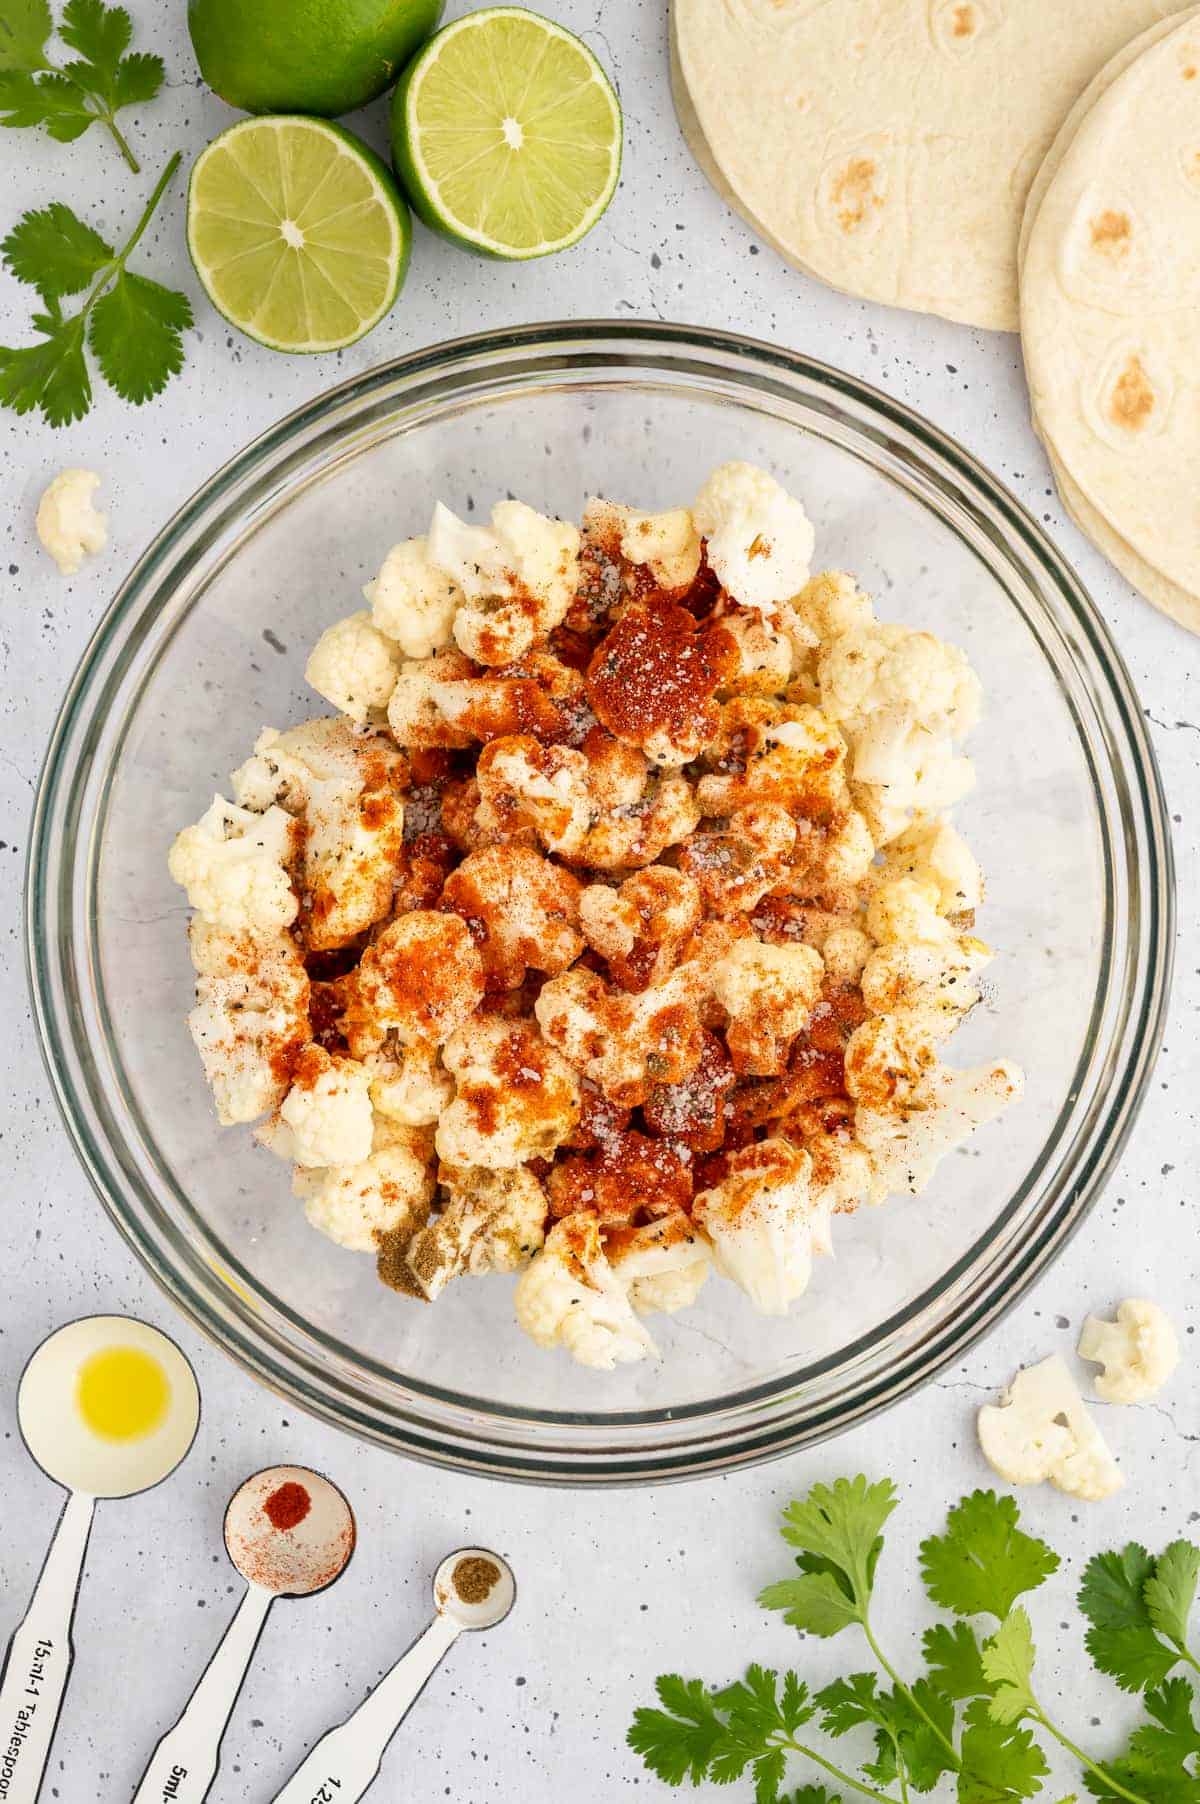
(412,601)
(379,1203)
(251,1017)
(769,993)
(233,865)
(665,544)
(493,1221)
(653,679)
(1041,1430)
(736,867)
(353,666)
(69,525)
(517,577)
(409,1086)
(765,1223)
(911,1111)
(765,654)
(662,1265)
(769,751)
(328,1110)
(420,980)
(1139,1351)
(641,929)
(569,1296)
(414,714)
(759,538)
(522,912)
(515,1097)
(921,967)
(934,853)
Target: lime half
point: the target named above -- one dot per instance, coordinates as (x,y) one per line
(507,134)
(298,232)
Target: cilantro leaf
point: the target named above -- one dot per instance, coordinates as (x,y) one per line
(924,1753)
(135,331)
(139,77)
(51,375)
(1008,1666)
(54,250)
(811,1794)
(24,27)
(1174,1736)
(1122,1639)
(816,1603)
(49,100)
(984,1562)
(1171,1590)
(841,1526)
(679,1741)
(954,1660)
(88,90)
(755,1708)
(101,34)
(1000,1763)
(848,1703)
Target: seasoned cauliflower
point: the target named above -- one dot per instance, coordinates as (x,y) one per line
(765,654)
(662,1264)
(328,1110)
(493,1221)
(769,751)
(412,601)
(642,927)
(921,967)
(765,1224)
(569,1296)
(901,769)
(769,993)
(414,711)
(667,544)
(736,867)
(353,666)
(68,523)
(522,912)
(250,1021)
(758,537)
(1041,1430)
(515,1098)
(885,669)
(409,1086)
(653,678)
(1139,1351)
(831,605)
(233,865)
(420,980)
(517,577)
(379,1202)
(934,854)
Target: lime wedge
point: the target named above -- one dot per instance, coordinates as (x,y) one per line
(298,232)
(507,134)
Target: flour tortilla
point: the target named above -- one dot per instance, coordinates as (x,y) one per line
(1111,315)
(887,146)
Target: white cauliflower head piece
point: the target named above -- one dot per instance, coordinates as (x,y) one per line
(759,538)
(883,668)
(353,666)
(69,525)
(412,601)
(921,966)
(765,1223)
(1041,1430)
(409,1086)
(386,1196)
(328,1110)
(662,1264)
(251,1017)
(517,576)
(420,980)
(569,1296)
(1139,1351)
(515,1098)
(494,1221)
(769,993)
(934,853)
(667,544)
(233,865)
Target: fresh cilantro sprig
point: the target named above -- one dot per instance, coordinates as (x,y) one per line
(972,1719)
(132,326)
(103,77)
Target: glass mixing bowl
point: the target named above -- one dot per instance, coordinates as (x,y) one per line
(206,643)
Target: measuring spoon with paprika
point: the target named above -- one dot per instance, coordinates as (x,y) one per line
(290,1533)
(472,1589)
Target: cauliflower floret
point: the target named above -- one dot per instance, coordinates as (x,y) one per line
(934,853)
(380,1202)
(735,868)
(522,912)
(921,966)
(765,654)
(662,1264)
(759,538)
(1139,1351)
(653,678)
(517,578)
(515,1098)
(769,993)
(414,715)
(641,928)
(412,601)
(233,865)
(328,1110)
(768,751)
(569,1296)
(251,1017)
(884,668)
(410,1088)
(538,694)
(845,951)
(832,605)
(1041,1429)
(667,544)
(353,666)
(765,1223)
(901,769)
(68,524)
(494,1221)
(420,980)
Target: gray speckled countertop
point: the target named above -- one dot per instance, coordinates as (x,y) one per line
(616,1586)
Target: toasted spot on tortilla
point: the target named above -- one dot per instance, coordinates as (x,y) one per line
(1133,400)
(1189,73)
(1111,233)
(854,193)
(964,21)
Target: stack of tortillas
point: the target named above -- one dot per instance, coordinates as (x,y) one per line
(1110,313)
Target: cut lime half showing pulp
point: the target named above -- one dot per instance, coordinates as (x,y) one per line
(507,134)
(298,232)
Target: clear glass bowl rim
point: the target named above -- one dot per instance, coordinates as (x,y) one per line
(762,1421)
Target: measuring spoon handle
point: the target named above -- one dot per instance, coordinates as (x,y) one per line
(38,1662)
(184,1764)
(339,1769)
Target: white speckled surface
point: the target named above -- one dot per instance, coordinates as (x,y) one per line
(618,1586)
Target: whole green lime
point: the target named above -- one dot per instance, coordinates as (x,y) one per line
(306,56)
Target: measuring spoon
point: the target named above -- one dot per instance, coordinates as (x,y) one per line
(472,1589)
(107,1407)
(290,1533)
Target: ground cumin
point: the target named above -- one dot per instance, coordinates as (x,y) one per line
(474,1578)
